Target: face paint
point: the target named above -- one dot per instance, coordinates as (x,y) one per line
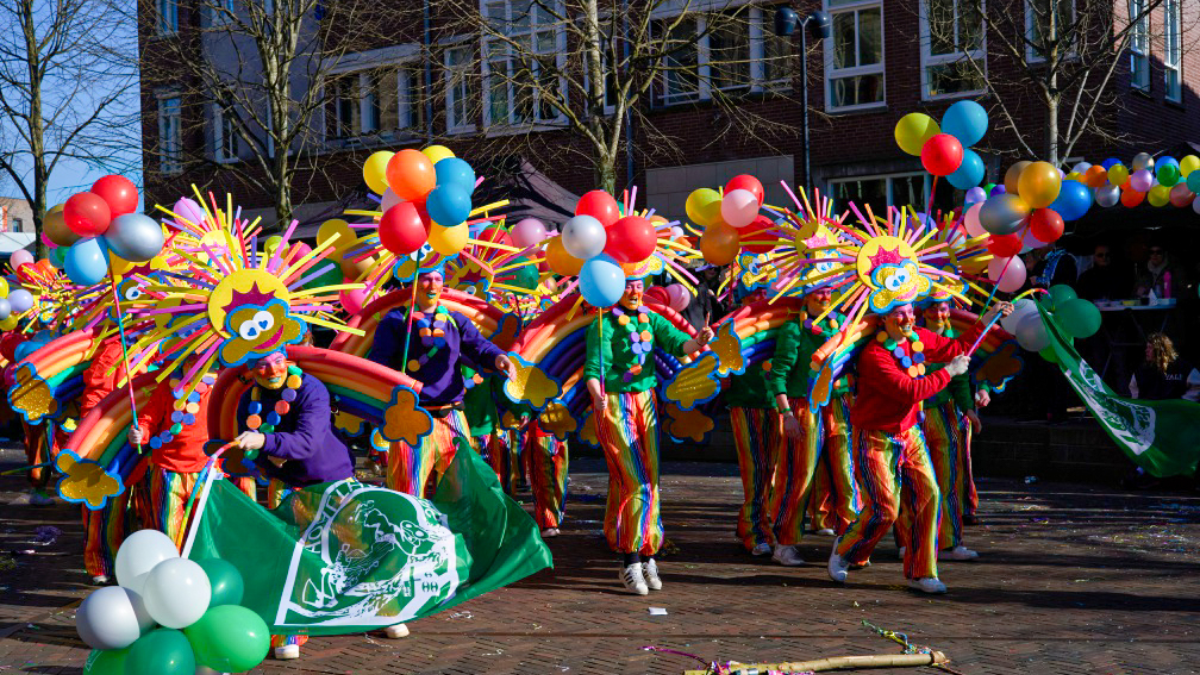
(429,289)
(937,316)
(900,321)
(633,294)
(271,370)
(817,302)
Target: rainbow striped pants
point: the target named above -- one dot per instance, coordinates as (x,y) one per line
(546,463)
(167,494)
(972,499)
(756,436)
(796,462)
(891,469)
(835,500)
(628,433)
(945,437)
(409,467)
(103,532)
(494,450)
(38,450)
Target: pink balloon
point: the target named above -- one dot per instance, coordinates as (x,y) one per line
(189,210)
(1181,196)
(971,221)
(390,199)
(1142,180)
(1013,271)
(528,232)
(678,296)
(353,301)
(739,208)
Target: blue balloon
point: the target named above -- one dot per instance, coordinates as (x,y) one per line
(455,171)
(87,261)
(448,205)
(5,309)
(998,190)
(967,121)
(58,256)
(1073,201)
(1193,181)
(20,300)
(602,281)
(970,172)
(135,237)
(1108,164)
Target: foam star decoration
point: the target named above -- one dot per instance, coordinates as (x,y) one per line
(728,348)
(686,424)
(404,420)
(510,421)
(556,419)
(348,424)
(695,383)
(531,385)
(85,481)
(31,396)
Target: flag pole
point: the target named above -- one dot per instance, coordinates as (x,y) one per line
(212,472)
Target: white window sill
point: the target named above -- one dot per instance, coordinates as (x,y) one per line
(460,130)
(500,130)
(949,97)
(863,107)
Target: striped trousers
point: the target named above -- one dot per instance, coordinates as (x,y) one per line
(796,462)
(494,448)
(835,500)
(945,436)
(756,436)
(409,467)
(167,494)
(546,465)
(628,433)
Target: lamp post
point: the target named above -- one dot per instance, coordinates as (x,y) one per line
(821,26)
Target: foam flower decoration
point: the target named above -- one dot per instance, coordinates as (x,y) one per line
(682,425)
(85,481)
(531,385)
(404,419)
(556,419)
(728,348)
(694,384)
(31,396)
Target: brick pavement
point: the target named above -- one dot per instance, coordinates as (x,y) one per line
(1073,579)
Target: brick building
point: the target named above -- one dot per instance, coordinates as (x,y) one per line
(885,59)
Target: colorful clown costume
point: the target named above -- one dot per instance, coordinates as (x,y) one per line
(546,462)
(756,437)
(836,501)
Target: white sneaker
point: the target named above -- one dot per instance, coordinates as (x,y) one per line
(959,552)
(787,556)
(396,631)
(650,572)
(901,552)
(287,652)
(826,532)
(761,549)
(838,567)
(633,579)
(549,532)
(99,580)
(927,585)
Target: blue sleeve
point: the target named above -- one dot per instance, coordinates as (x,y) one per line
(389,340)
(472,343)
(311,408)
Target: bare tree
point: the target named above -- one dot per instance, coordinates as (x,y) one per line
(66,93)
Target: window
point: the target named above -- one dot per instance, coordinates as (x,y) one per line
(220,12)
(168,17)
(376,101)
(952,48)
(18,225)
(520,83)
(170,135)
(681,66)
(1041,35)
(880,192)
(225,134)
(1139,45)
(461,89)
(854,57)
(1173,51)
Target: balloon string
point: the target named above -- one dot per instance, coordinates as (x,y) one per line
(412,304)
(996,287)
(112,277)
(600,342)
(929,202)
(983,334)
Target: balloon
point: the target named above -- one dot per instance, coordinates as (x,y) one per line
(1060,293)
(389,200)
(229,638)
(1167,171)
(746,182)
(353,267)
(226,581)
(1095,176)
(528,232)
(584,237)
(105,662)
(1003,214)
(1039,184)
(20,300)
(968,174)
(1082,167)
(87,214)
(1195,207)
(1078,318)
(703,206)
(758,237)
(1141,180)
(1046,225)
(971,220)
(118,192)
(139,554)
(1008,273)
(719,244)
(1021,308)
(454,171)
(335,227)
(449,240)
(112,618)
(975,194)
(135,237)
(1193,181)
(996,190)
(599,205)
(1131,198)
(1181,196)
(914,130)
(678,297)
(967,121)
(1188,164)
(20,257)
(942,155)
(87,261)
(190,211)
(1108,195)
(602,281)
(401,230)
(163,651)
(560,261)
(739,208)
(1118,174)
(54,226)
(448,204)
(632,239)
(1142,160)
(1159,195)
(1073,200)
(1049,354)
(1031,333)
(1013,175)
(5,308)
(375,171)
(437,153)
(177,592)
(353,299)
(411,176)
(1004,245)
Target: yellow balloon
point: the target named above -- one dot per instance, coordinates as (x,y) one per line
(1075,176)
(448,240)
(1039,184)
(119,265)
(1188,164)
(272,244)
(9,323)
(353,269)
(3,287)
(437,153)
(703,206)
(375,171)
(1118,174)
(338,227)
(1159,195)
(1013,175)
(913,130)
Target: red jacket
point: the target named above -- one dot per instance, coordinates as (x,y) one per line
(100,379)
(888,398)
(185,452)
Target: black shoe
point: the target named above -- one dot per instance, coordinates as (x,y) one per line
(971,519)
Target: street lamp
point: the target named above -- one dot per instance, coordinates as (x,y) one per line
(821,26)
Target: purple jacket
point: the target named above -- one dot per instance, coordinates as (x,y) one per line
(440,376)
(304,437)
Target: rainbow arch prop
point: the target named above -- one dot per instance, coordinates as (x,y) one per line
(52,375)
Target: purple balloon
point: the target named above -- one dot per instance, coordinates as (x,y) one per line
(190,210)
(998,190)
(528,232)
(975,194)
(20,257)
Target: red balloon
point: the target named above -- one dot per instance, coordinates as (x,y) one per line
(658,295)
(1005,245)
(746,182)
(1131,198)
(495,234)
(631,239)
(599,205)
(401,230)
(942,155)
(87,214)
(1046,225)
(118,192)
(758,237)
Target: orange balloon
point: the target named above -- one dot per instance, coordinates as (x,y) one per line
(45,267)
(719,244)
(1012,177)
(1131,198)
(560,261)
(1095,176)
(411,174)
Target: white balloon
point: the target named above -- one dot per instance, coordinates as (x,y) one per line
(1021,308)
(177,593)
(1196,205)
(1108,195)
(739,208)
(1081,167)
(390,199)
(139,554)
(584,237)
(112,618)
(1031,334)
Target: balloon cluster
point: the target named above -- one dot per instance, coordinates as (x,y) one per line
(16,301)
(168,615)
(1161,181)
(426,198)
(101,227)
(728,217)
(1077,317)
(596,242)
(945,150)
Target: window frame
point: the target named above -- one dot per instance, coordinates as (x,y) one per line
(453,124)
(832,74)
(1139,71)
(220,118)
(928,59)
(1173,56)
(1030,55)
(166,17)
(170,161)
(513,96)
(889,178)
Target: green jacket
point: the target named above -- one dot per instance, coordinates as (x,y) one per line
(479,406)
(794,348)
(750,390)
(959,389)
(614,351)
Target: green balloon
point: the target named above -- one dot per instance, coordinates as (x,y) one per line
(1078,318)
(1049,354)
(226,581)
(229,638)
(106,662)
(331,276)
(1061,293)
(162,651)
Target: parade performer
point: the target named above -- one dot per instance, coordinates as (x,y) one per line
(545,458)
(488,438)
(38,448)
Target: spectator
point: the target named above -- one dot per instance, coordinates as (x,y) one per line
(1164,375)
(1049,266)
(705,309)
(1159,276)
(1102,281)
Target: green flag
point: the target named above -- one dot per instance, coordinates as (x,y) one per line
(347,557)
(1159,436)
